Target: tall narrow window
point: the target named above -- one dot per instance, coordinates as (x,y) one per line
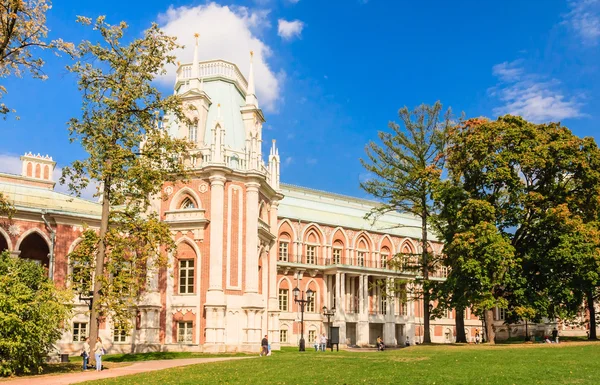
(311,254)
(186,276)
(284,251)
(283,299)
(361,258)
(501,314)
(184,332)
(312,336)
(192,132)
(311,306)
(283,337)
(384,260)
(80,331)
(383,305)
(337,256)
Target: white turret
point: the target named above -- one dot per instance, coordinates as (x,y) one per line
(195,82)
(251,93)
(273,169)
(218,142)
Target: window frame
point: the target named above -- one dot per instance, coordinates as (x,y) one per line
(312,336)
(120,335)
(360,258)
(283,336)
(283,257)
(283,298)
(337,260)
(188,330)
(79,329)
(188,277)
(314,253)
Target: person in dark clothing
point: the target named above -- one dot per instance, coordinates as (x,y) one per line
(264,346)
(555,335)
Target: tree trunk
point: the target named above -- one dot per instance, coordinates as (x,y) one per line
(592,315)
(489,326)
(426,334)
(94,316)
(461,337)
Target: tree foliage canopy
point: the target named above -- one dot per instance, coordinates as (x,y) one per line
(32,314)
(130,157)
(23,30)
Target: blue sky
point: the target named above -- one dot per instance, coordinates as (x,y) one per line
(332,73)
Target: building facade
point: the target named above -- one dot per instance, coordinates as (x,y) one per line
(244,242)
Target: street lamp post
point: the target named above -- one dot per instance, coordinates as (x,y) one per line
(302,302)
(329,313)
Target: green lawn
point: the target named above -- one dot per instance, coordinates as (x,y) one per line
(569,363)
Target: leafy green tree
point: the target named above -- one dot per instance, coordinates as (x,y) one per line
(23,30)
(130,156)
(405,169)
(32,312)
(525,172)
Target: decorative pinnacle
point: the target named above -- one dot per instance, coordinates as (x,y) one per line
(251,53)
(196,35)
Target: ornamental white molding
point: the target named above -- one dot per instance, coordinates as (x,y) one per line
(14,230)
(203,188)
(169,190)
(183,311)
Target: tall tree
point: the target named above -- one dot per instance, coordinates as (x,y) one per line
(23,30)
(130,156)
(525,172)
(406,167)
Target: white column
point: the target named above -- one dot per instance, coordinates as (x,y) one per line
(273,305)
(366,294)
(217,187)
(343,292)
(252,237)
(361,295)
(337,292)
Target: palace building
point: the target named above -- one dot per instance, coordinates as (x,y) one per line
(244,242)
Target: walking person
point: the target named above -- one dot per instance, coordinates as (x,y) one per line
(85,352)
(323,342)
(98,353)
(264,346)
(555,336)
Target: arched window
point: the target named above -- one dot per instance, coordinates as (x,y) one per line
(283,335)
(187,204)
(35,247)
(337,250)
(385,256)
(193,132)
(284,247)
(362,253)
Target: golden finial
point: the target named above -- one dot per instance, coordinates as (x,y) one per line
(196,35)
(178,63)
(251,53)
(219,105)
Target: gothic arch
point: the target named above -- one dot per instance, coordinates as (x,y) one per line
(284,279)
(407,242)
(341,230)
(293,231)
(29,232)
(316,228)
(35,245)
(363,235)
(191,243)
(392,247)
(4,235)
(180,196)
(316,294)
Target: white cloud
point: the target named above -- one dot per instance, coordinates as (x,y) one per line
(531,96)
(289,29)
(584,19)
(227,33)
(11,164)
(289,160)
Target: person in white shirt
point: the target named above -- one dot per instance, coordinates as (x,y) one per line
(323,342)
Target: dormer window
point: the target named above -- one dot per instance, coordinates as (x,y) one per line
(187,204)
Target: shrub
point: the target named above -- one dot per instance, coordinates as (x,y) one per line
(32,312)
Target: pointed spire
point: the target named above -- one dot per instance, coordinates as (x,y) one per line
(195,62)
(251,93)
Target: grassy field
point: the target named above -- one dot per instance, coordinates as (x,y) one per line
(568,363)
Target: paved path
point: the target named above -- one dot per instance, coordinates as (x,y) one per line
(138,367)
